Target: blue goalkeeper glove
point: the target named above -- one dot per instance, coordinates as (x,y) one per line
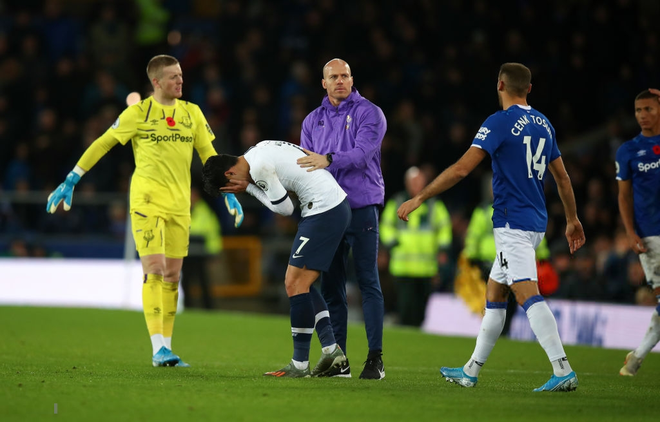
(234,208)
(64,192)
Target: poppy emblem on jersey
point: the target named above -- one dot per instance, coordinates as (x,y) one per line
(656,149)
(170,122)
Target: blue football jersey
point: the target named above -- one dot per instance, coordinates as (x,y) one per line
(639,160)
(521,143)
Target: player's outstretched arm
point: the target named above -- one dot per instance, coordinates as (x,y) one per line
(91,156)
(448,178)
(574,231)
(64,191)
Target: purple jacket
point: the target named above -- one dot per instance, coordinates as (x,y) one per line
(354,132)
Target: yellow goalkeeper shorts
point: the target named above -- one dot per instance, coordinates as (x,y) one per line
(160,233)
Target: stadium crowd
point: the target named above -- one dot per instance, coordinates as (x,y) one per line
(254,67)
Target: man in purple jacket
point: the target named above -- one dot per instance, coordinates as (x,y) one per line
(345,134)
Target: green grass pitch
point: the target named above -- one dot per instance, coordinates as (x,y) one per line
(95,365)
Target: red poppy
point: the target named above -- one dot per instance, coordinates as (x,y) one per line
(170,122)
(656,149)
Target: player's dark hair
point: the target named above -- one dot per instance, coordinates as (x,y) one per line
(157,63)
(213,172)
(645,95)
(518,78)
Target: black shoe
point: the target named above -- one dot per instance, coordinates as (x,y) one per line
(341,371)
(373,368)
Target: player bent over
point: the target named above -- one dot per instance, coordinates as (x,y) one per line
(268,171)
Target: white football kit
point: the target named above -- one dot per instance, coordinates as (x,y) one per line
(274,170)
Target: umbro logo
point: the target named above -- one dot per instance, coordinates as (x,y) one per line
(641,153)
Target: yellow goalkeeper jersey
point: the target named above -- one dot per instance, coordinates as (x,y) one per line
(163,138)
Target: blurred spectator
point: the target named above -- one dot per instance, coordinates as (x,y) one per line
(104,90)
(151,29)
(584,283)
(418,250)
(18,167)
(205,244)
(19,249)
(117,220)
(109,40)
(61,32)
(620,287)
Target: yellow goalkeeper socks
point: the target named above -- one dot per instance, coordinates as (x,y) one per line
(170,300)
(152,303)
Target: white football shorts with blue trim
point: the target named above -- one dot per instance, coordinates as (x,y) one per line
(516,255)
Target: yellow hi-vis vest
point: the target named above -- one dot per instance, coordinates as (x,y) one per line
(414,245)
(204,222)
(480,240)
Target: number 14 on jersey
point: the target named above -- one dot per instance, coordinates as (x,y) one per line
(533,161)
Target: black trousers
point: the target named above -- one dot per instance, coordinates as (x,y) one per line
(412,297)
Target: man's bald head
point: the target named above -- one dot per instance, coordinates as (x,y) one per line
(334,64)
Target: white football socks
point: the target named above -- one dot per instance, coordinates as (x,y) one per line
(491,328)
(561,367)
(544,325)
(300,365)
(157,341)
(329,349)
(651,337)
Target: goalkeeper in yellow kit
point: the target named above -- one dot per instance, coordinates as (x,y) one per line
(163,131)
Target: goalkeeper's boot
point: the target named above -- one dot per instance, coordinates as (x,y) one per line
(165,357)
(458,376)
(290,371)
(330,361)
(565,383)
(630,365)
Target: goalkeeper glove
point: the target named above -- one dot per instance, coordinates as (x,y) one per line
(234,208)
(64,192)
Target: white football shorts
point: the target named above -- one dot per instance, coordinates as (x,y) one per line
(516,256)
(651,260)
